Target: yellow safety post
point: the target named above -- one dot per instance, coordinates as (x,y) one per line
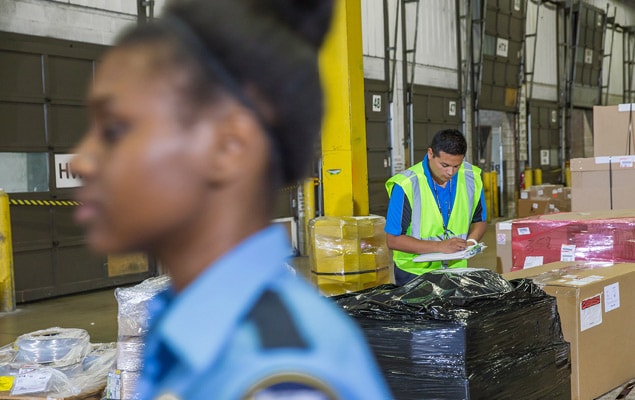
(344,165)
(529,178)
(494,189)
(487,192)
(308,193)
(537,176)
(567,174)
(7,290)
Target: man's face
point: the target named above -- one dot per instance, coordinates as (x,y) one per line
(444,166)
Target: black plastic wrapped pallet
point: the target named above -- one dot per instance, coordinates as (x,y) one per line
(465,334)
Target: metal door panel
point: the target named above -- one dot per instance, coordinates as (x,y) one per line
(68,78)
(20,74)
(67,124)
(22,126)
(378,150)
(33,276)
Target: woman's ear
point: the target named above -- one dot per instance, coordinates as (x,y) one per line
(228,143)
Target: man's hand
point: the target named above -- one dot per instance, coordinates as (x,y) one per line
(452,245)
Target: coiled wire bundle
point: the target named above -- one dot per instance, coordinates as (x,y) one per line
(56,347)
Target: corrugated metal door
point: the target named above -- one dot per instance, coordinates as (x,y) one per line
(43,83)
(545,140)
(588,22)
(502,50)
(433,109)
(377,144)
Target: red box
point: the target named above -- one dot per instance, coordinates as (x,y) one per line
(573,236)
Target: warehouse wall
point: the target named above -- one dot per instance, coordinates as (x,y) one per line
(90,21)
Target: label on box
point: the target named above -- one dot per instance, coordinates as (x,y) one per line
(567,252)
(590,312)
(505,226)
(6,382)
(586,280)
(626,164)
(625,107)
(32,382)
(524,195)
(113,385)
(611,297)
(541,192)
(533,261)
(524,231)
(501,238)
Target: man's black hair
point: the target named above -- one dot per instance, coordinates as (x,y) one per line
(450,141)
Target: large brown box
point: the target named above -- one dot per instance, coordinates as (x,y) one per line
(602,183)
(503,246)
(596,307)
(528,207)
(610,130)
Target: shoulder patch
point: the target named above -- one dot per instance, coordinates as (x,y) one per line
(274,323)
(290,386)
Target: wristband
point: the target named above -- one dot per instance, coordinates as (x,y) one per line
(473,241)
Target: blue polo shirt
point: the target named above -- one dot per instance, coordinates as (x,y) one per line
(399,212)
(206,343)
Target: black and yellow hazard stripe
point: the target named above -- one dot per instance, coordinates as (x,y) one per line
(53,203)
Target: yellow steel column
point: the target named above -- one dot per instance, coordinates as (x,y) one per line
(7,291)
(344,168)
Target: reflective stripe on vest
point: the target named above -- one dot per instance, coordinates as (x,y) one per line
(415,228)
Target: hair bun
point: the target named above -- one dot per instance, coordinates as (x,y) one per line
(310,18)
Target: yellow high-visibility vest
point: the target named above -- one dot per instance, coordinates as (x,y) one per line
(426,222)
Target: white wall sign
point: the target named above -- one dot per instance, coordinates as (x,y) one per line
(64,178)
(452,108)
(545,157)
(502,47)
(588,56)
(554,116)
(376,103)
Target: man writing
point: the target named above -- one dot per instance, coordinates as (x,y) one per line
(437,205)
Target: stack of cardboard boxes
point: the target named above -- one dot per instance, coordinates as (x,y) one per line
(544,199)
(607,181)
(595,304)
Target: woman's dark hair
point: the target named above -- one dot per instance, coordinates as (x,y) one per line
(450,141)
(263,52)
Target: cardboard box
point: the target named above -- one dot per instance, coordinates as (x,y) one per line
(503,246)
(602,183)
(596,307)
(574,236)
(610,130)
(528,208)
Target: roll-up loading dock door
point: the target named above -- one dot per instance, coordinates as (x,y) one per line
(43,83)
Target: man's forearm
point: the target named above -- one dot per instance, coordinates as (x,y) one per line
(477,230)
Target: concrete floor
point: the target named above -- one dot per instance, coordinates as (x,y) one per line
(96,312)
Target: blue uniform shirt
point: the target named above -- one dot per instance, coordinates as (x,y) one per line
(399,212)
(245,325)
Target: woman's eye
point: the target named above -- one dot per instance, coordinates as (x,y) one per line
(112,131)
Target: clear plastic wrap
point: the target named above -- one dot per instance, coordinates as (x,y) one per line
(130,353)
(465,334)
(591,236)
(86,376)
(132,314)
(348,253)
(54,347)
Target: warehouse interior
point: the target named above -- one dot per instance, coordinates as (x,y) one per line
(542,90)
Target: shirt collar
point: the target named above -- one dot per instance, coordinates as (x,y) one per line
(199,320)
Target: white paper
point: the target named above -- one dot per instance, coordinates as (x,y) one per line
(533,261)
(567,252)
(31,382)
(470,252)
(611,297)
(590,312)
(524,231)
